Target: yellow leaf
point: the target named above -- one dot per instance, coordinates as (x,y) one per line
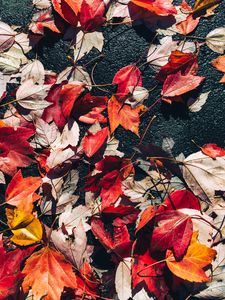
(26,228)
(191,266)
(202,5)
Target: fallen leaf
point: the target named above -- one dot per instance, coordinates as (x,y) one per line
(173,230)
(20,191)
(219,64)
(13,154)
(215,40)
(177,84)
(129,76)
(93,142)
(195,105)
(26,228)
(191,266)
(86,42)
(7,36)
(123,115)
(123,279)
(158,7)
(91,14)
(202,5)
(10,275)
(204,175)
(47,273)
(31,96)
(212,150)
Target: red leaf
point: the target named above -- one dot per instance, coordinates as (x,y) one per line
(15,154)
(173,231)
(147,271)
(54,112)
(120,215)
(212,150)
(179,61)
(129,76)
(68,95)
(10,275)
(93,142)
(88,109)
(65,10)
(111,188)
(180,199)
(177,84)
(91,14)
(120,244)
(158,7)
(177,200)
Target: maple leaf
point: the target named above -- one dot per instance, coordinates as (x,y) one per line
(191,266)
(91,14)
(47,273)
(173,231)
(93,142)
(13,154)
(158,7)
(10,274)
(26,228)
(219,64)
(123,115)
(212,150)
(20,191)
(177,84)
(129,76)
(179,61)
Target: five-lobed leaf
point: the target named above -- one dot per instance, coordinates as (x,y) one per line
(47,273)
(191,266)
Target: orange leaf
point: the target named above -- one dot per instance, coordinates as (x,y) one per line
(219,64)
(158,7)
(123,115)
(212,150)
(203,5)
(47,273)
(21,191)
(191,266)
